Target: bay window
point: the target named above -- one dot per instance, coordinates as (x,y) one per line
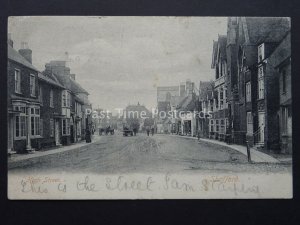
(20,122)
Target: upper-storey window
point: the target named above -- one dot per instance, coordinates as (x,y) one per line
(248,91)
(261,52)
(66,98)
(261,83)
(17,81)
(51,98)
(32,85)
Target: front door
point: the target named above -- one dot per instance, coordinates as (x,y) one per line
(57,141)
(261,124)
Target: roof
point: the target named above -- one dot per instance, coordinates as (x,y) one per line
(214,54)
(204,87)
(76,88)
(48,79)
(175,100)
(219,49)
(137,108)
(187,103)
(222,40)
(17,57)
(266,29)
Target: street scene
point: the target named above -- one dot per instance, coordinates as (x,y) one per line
(153,95)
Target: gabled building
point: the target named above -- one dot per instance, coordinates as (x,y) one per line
(280,60)
(50,91)
(254,90)
(23,103)
(74,98)
(220,113)
(205,107)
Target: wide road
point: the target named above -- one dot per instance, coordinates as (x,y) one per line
(158,153)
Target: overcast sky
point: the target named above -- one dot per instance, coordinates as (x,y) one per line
(121,60)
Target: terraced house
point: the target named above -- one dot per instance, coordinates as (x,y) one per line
(24,128)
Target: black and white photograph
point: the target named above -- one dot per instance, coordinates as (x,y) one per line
(149,107)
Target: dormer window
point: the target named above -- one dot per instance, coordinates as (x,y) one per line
(261,52)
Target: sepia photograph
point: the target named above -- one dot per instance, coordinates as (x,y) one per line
(149,107)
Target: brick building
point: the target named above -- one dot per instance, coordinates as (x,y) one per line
(50,91)
(23,103)
(254,100)
(219,120)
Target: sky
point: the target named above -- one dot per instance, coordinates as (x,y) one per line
(122,60)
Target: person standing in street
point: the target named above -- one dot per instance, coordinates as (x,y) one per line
(148,131)
(88,136)
(152,131)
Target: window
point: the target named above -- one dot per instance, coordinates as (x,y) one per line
(249,123)
(41,95)
(17,81)
(51,98)
(35,121)
(248,91)
(261,52)
(211,127)
(20,122)
(66,98)
(32,85)
(51,128)
(65,126)
(284,119)
(222,126)
(261,84)
(283,75)
(221,98)
(217,125)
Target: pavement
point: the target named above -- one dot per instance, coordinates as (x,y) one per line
(159,153)
(256,156)
(17,160)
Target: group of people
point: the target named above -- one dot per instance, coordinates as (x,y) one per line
(148,129)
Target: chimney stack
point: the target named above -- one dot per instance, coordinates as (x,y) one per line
(9,40)
(26,52)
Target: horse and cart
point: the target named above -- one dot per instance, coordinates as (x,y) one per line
(107,130)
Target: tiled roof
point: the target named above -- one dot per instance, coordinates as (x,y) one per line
(76,88)
(47,79)
(267,29)
(17,57)
(204,87)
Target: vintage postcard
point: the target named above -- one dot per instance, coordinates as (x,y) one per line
(149,107)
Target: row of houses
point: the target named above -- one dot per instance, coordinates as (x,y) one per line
(249,100)
(250,96)
(175,108)
(45,108)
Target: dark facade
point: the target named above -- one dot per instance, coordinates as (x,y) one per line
(220,119)
(253,83)
(50,92)
(23,104)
